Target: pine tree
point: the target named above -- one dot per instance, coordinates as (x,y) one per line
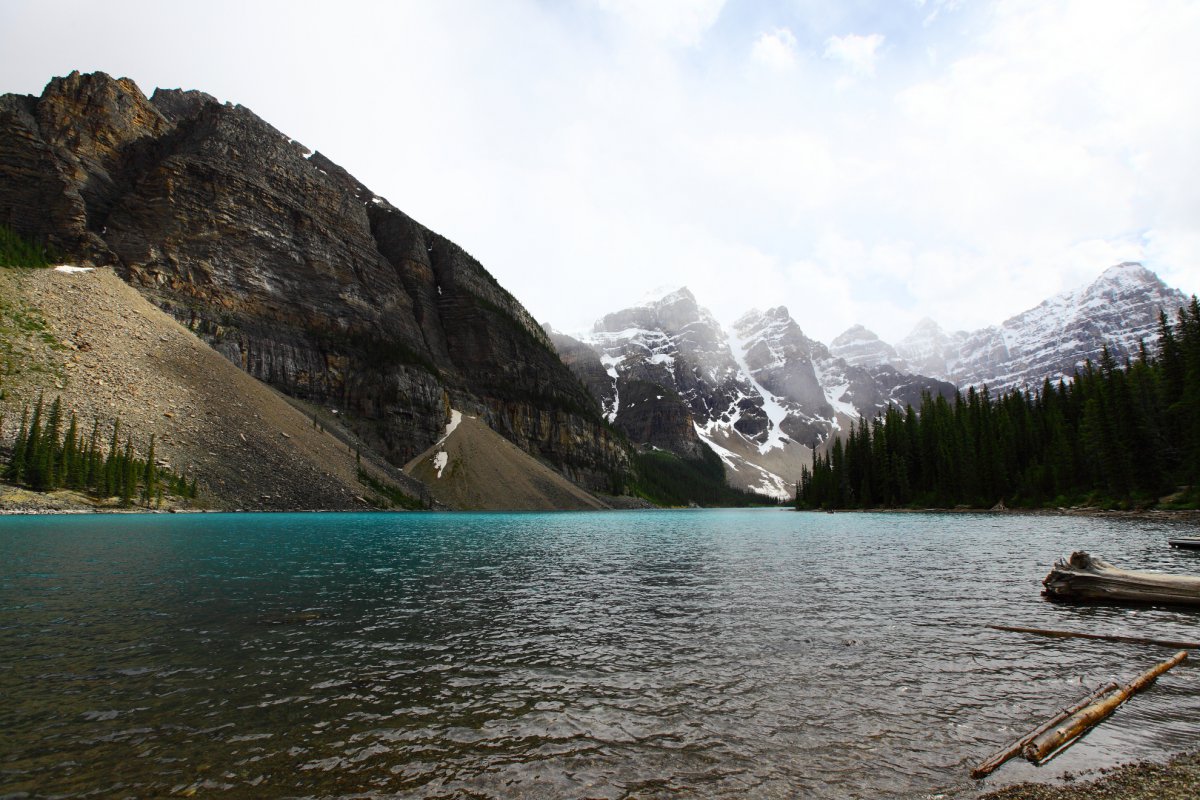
(16,466)
(149,476)
(91,459)
(129,471)
(51,462)
(111,471)
(72,460)
(35,459)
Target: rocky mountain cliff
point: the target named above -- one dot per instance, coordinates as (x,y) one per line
(90,340)
(291,268)
(1120,308)
(669,376)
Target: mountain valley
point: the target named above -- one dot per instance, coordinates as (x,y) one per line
(376,329)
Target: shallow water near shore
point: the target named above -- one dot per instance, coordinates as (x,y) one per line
(652,653)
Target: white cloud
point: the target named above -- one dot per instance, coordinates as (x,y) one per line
(938,6)
(680,21)
(623,145)
(776,49)
(859,53)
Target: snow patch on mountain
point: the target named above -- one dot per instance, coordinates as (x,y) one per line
(455,421)
(929,350)
(610,409)
(746,473)
(835,386)
(774,409)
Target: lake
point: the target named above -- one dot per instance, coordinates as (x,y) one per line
(760,653)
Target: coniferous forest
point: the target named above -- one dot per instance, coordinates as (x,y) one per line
(1118,435)
(51,453)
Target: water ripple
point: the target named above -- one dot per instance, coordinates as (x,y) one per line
(650,654)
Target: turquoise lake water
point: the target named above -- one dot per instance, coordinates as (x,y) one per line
(626,654)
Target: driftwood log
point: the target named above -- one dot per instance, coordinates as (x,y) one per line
(1014,748)
(1104,637)
(1089,578)
(1052,741)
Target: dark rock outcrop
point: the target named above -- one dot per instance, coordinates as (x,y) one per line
(583,360)
(645,409)
(674,343)
(654,416)
(291,268)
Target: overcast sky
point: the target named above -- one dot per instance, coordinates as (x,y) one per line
(872,162)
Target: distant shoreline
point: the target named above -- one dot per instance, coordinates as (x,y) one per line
(1160,514)
(19,501)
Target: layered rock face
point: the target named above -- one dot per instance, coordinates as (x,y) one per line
(291,268)
(1119,309)
(761,396)
(582,359)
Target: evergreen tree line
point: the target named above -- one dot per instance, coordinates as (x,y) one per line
(17,251)
(1116,435)
(665,479)
(49,455)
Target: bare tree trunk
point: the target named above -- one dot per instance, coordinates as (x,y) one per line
(1050,742)
(1015,747)
(1101,636)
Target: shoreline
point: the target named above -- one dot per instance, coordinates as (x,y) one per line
(1176,779)
(84,507)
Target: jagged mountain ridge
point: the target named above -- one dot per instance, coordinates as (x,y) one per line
(860,347)
(930,350)
(761,395)
(1119,309)
(291,268)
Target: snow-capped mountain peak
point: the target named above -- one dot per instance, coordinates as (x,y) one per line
(862,348)
(665,294)
(930,350)
(759,395)
(1119,309)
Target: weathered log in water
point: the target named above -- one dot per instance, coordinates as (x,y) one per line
(1014,748)
(1185,543)
(1090,578)
(1104,637)
(1051,742)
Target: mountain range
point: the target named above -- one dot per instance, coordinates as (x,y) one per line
(1120,309)
(305,279)
(763,394)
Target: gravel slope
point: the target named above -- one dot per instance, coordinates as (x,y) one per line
(481,470)
(93,340)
